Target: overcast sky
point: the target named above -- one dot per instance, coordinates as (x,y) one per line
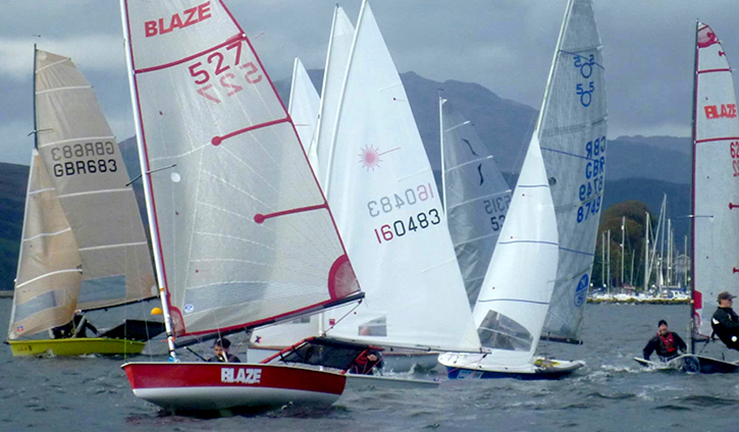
(505,45)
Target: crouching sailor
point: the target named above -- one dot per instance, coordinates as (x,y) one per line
(666,343)
(725,322)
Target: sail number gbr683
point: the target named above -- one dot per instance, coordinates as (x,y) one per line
(223,72)
(96,157)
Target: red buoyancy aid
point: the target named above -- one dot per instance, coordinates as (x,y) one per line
(668,342)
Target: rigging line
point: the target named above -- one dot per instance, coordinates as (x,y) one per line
(149,172)
(342,318)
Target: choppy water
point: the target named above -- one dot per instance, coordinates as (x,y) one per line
(611,394)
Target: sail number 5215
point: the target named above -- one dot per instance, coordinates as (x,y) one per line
(217,71)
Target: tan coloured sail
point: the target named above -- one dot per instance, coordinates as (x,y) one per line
(86,167)
(49,268)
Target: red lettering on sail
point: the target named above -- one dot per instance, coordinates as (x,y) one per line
(191,16)
(726,111)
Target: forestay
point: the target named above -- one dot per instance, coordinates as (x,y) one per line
(304,104)
(386,204)
(49,267)
(515,294)
(476,196)
(572,134)
(715,179)
(339,45)
(243,231)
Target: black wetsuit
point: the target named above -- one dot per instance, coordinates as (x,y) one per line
(725,323)
(664,351)
(231,359)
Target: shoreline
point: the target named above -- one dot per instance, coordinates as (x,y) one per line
(6,294)
(637,301)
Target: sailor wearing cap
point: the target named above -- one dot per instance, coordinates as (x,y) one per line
(725,321)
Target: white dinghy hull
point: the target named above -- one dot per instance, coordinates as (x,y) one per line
(480,366)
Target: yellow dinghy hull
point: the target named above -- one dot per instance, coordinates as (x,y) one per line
(76,347)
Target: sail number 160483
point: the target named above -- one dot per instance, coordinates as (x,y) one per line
(399,228)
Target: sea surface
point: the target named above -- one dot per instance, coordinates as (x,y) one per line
(612,393)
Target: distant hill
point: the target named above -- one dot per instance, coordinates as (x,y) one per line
(638,168)
(13,184)
(505,126)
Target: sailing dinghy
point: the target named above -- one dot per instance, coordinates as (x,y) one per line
(384,197)
(242,234)
(715,203)
(83,245)
(569,141)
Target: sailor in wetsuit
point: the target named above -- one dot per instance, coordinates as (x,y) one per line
(366,362)
(725,322)
(76,328)
(666,343)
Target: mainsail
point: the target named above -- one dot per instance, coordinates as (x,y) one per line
(78,177)
(382,191)
(304,104)
(476,196)
(243,233)
(572,135)
(339,46)
(715,221)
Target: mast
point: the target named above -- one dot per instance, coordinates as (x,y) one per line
(145,177)
(441,145)
(647,223)
(35,122)
(603,259)
(608,258)
(692,193)
(623,249)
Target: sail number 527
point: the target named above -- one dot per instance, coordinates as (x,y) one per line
(217,71)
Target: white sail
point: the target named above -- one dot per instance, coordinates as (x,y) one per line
(243,233)
(476,196)
(572,135)
(715,179)
(87,169)
(515,294)
(339,45)
(304,104)
(49,267)
(386,205)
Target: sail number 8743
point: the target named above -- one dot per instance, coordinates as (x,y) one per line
(399,228)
